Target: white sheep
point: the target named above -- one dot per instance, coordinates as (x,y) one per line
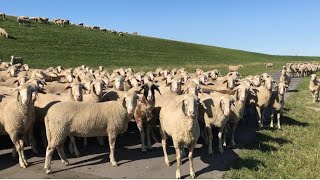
(235,68)
(314,87)
(4,33)
(107,118)
(179,120)
(268,65)
(277,103)
(16,118)
(215,111)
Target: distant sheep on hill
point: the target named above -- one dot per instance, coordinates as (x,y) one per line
(4,33)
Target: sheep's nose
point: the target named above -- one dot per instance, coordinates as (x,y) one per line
(227,113)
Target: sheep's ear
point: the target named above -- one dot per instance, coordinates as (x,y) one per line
(68,87)
(16,81)
(225,81)
(156,87)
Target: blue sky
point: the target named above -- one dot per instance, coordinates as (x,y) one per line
(284,27)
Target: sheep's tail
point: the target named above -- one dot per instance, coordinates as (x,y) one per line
(48,133)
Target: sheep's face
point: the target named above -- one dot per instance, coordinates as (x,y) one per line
(256,80)
(76,91)
(242,92)
(69,77)
(313,77)
(98,87)
(130,102)
(283,72)
(225,104)
(26,67)
(281,88)
(59,69)
(190,105)
(193,89)
(13,72)
(134,82)
(176,86)
(148,91)
(26,93)
(268,83)
(119,83)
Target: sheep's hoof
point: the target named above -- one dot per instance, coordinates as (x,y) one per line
(66,163)
(233,145)
(167,162)
(210,152)
(23,165)
(193,175)
(144,149)
(114,164)
(178,176)
(77,154)
(48,171)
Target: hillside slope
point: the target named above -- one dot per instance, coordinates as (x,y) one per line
(44,45)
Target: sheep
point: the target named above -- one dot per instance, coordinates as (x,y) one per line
(9,73)
(277,102)
(21,20)
(268,65)
(261,99)
(107,118)
(285,78)
(314,87)
(4,33)
(143,113)
(240,96)
(3,16)
(16,60)
(16,118)
(235,68)
(179,119)
(226,82)
(215,111)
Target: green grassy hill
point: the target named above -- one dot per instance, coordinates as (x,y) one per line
(44,45)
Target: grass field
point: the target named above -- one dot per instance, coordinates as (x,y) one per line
(50,45)
(292,152)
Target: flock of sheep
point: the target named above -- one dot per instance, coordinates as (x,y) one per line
(85,102)
(63,22)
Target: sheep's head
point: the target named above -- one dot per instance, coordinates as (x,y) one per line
(59,69)
(148,91)
(130,101)
(190,104)
(97,87)
(26,94)
(313,77)
(193,88)
(76,91)
(242,92)
(119,83)
(225,102)
(176,86)
(231,78)
(268,83)
(12,71)
(25,67)
(281,88)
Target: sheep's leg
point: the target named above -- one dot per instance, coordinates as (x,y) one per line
(18,148)
(224,135)
(210,136)
(148,136)
(272,117)
(85,142)
(73,146)
(178,157)
(22,152)
(278,117)
(316,96)
(62,155)
(100,140)
(112,143)
(233,127)
(153,135)
(259,117)
(43,137)
(164,146)
(14,152)
(204,135)
(190,156)
(142,136)
(32,140)
(47,163)
(220,134)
